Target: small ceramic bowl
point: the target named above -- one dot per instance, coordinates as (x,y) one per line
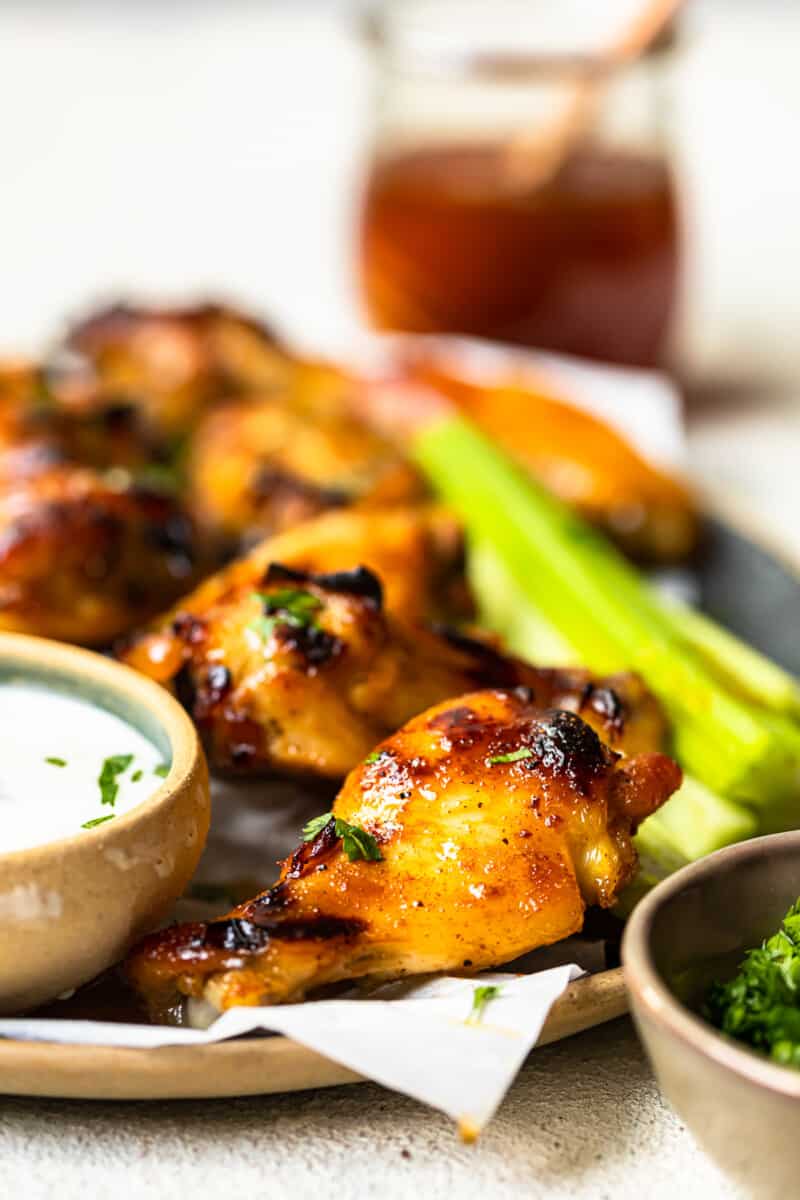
(71,908)
(694,928)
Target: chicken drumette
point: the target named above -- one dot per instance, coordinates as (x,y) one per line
(479,831)
(258,466)
(293,663)
(84,556)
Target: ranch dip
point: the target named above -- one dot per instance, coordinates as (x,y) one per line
(66,766)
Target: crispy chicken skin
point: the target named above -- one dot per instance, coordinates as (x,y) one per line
(84,558)
(66,410)
(574,454)
(258,466)
(497,821)
(85,555)
(416,552)
(289,672)
(174,362)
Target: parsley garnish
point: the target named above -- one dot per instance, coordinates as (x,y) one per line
(137,775)
(315,826)
(371,758)
(480,998)
(512,756)
(761,1004)
(56,762)
(162,769)
(356,842)
(288,606)
(97,821)
(113,766)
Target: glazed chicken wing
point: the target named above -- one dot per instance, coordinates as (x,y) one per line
(288,671)
(84,557)
(575,455)
(85,554)
(478,832)
(174,362)
(258,466)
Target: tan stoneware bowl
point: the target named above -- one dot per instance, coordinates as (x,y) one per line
(690,930)
(72,907)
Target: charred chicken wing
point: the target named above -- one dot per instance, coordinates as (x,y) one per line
(83,557)
(258,466)
(478,832)
(85,554)
(575,455)
(174,362)
(288,671)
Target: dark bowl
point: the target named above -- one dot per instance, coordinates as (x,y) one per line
(693,928)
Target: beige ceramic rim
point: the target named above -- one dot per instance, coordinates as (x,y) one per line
(109,883)
(653,997)
(245,1067)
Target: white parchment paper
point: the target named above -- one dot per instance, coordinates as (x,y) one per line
(419,1040)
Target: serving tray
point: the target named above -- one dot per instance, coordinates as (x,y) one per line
(741,579)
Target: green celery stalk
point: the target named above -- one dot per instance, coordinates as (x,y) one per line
(699,821)
(502,606)
(696,822)
(742,668)
(602,607)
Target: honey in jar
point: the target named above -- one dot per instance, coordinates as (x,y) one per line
(585,263)
(461,229)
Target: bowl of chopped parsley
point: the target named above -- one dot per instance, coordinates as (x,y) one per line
(712,963)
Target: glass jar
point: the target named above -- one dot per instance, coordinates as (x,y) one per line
(517,190)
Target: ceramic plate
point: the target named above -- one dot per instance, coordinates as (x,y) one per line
(740,580)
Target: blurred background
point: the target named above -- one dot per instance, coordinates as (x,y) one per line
(169,148)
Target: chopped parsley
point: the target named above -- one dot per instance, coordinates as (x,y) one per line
(137,775)
(162,770)
(315,826)
(113,766)
(480,998)
(356,842)
(761,1004)
(288,606)
(56,762)
(371,758)
(97,821)
(512,756)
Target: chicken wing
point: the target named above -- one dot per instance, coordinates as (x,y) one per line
(257,467)
(173,362)
(288,671)
(478,832)
(85,554)
(580,458)
(64,405)
(84,557)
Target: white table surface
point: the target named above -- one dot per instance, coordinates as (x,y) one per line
(95,200)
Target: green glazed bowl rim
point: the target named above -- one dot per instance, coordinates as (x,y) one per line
(652,997)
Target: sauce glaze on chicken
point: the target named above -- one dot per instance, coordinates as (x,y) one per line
(497,821)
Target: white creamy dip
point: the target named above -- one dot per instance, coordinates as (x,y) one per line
(42,801)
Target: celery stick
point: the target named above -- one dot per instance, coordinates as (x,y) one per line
(503,607)
(602,607)
(699,820)
(696,821)
(741,667)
